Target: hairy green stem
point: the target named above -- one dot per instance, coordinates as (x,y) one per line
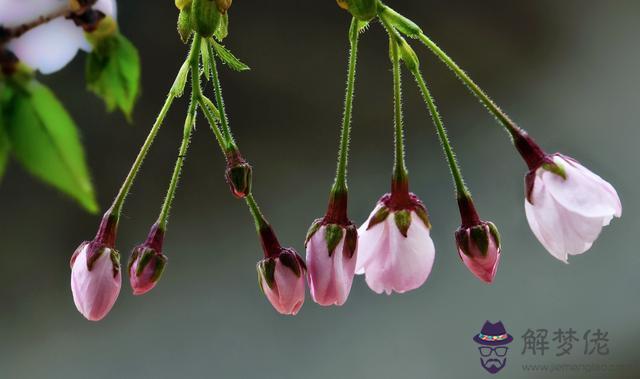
(461,188)
(230,144)
(116,207)
(186,137)
(340,183)
(400,168)
(504,119)
(258,217)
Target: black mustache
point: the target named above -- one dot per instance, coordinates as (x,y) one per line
(496,362)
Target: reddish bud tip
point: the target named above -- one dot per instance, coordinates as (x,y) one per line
(238,175)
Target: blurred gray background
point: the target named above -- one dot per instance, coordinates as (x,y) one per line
(565,70)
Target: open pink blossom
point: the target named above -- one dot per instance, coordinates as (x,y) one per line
(479,249)
(282,279)
(567,205)
(95,279)
(52,45)
(331,261)
(395,250)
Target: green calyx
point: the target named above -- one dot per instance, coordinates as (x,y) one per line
(494,233)
(266,272)
(364,10)
(106,28)
(480,238)
(555,168)
(333,235)
(205,17)
(403,221)
(312,230)
(378,217)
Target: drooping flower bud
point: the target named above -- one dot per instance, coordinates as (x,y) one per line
(566,204)
(238,175)
(281,275)
(364,10)
(205,17)
(395,250)
(332,244)
(95,272)
(478,242)
(147,262)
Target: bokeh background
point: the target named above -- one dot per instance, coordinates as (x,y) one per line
(565,70)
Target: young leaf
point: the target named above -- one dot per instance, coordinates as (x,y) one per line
(206,58)
(223,28)
(45,140)
(112,72)
(228,58)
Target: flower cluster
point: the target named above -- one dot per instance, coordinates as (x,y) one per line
(566,204)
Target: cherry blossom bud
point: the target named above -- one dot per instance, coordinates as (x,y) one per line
(395,250)
(281,275)
(478,242)
(364,10)
(566,204)
(238,175)
(147,262)
(95,273)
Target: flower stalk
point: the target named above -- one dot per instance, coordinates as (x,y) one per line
(340,183)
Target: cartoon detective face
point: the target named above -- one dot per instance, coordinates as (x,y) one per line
(493,358)
(493,340)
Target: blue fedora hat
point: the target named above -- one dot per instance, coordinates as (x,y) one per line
(493,335)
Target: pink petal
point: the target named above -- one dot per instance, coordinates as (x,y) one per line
(561,231)
(400,263)
(583,192)
(17,12)
(369,241)
(330,277)
(50,47)
(94,292)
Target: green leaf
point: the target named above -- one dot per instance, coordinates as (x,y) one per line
(45,140)
(228,58)
(112,72)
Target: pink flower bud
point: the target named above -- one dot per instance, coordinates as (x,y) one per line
(479,249)
(145,269)
(95,279)
(95,272)
(395,250)
(147,263)
(331,259)
(567,205)
(282,280)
